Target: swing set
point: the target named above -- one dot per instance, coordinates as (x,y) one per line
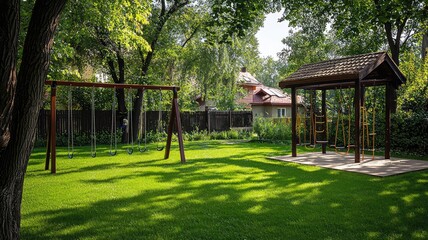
(342,137)
(142,129)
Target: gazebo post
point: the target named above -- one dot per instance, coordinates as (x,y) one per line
(312,115)
(357,106)
(293,122)
(324,114)
(388,121)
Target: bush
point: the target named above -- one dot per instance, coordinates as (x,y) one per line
(272,130)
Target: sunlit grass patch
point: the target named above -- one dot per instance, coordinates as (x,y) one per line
(225,191)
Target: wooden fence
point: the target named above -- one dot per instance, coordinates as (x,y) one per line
(190,121)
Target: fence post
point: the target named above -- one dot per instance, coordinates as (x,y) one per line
(207,112)
(230,119)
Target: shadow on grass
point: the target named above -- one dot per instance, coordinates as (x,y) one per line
(242,196)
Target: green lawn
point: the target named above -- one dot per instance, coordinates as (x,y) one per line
(227,190)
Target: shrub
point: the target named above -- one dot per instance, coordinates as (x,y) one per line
(272,130)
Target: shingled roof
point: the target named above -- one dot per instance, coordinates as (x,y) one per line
(369,68)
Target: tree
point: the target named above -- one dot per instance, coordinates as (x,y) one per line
(269,73)
(21,99)
(302,48)
(398,20)
(22,89)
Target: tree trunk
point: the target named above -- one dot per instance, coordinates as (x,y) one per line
(137,104)
(424,46)
(28,100)
(120,92)
(394,46)
(9,30)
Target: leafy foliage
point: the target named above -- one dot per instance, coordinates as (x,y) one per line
(277,130)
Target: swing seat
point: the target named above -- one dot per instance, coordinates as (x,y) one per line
(159,148)
(320,122)
(351,146)
(113,153)
(368,149)
(322,142)
(93,154)
(341,147)
(130,151)
(70,155)
(144,149)
(320,131)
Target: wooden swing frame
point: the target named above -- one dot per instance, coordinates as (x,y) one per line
(174,116)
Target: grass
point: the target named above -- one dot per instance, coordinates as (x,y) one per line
(227,190)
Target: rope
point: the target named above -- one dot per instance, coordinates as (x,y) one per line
(70,142)
(140,131)
(93,134)
(113,133)
(130,150)
(160,147)
(340,120)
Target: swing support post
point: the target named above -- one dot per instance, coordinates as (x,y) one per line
(174,119)
(51,148)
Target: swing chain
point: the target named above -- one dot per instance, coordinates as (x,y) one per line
(130,149)
(140,126)
(113,133)
(70,124)
(159,147)
(93,131)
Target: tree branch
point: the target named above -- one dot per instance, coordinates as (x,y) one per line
(190,37)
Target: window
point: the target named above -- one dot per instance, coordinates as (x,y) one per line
(281,112)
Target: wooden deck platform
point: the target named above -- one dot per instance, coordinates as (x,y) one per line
(378,167)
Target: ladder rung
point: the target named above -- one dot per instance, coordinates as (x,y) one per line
(319,122)
(319,131)
(319,116)
(372,134)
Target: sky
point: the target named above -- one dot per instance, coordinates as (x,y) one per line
(271,34)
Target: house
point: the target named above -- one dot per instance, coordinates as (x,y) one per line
(271,102)
(262,100)
(250,85)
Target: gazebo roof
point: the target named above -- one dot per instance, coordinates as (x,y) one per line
(371,69)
